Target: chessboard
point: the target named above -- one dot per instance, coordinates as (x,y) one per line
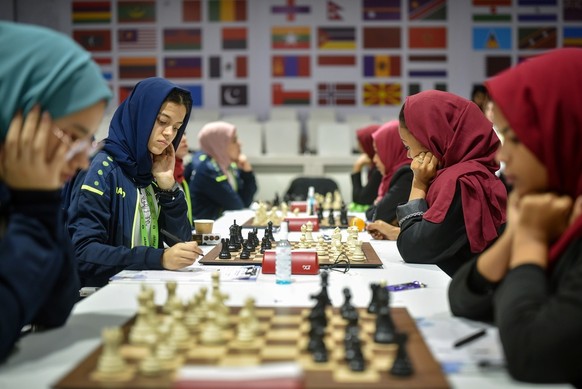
(324,223)
(282,336)
(371,258)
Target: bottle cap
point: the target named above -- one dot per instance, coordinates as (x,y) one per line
(283,231)
(310,191)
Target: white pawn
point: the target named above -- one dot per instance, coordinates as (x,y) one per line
(303,241)
(320,248)
(309,232)
(358,255)
(172,297)
(111,363)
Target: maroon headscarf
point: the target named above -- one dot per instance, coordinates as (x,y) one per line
(458,134)
(364,136)
(542,102)
(391,152)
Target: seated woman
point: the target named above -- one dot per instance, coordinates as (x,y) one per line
(119,209)
(223,178)
(528,282)
(364,195)
(456,204)
(392,160)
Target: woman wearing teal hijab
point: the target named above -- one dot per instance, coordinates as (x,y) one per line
(53,98)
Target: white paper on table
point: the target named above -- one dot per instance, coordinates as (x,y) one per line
(191,274)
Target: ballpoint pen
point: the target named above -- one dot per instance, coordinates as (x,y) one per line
(175,239)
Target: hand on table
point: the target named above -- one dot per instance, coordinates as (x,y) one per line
(180,255)
(379,229)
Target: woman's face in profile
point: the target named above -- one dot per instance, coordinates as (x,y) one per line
(412,145)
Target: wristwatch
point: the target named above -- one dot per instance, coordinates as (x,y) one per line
(173,189)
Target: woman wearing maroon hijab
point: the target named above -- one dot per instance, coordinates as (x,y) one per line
(456,203)
(394,189)
(364,195)
(530,281)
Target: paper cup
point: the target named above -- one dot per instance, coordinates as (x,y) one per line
(203,226)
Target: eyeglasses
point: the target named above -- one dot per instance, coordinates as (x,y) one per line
(87,146)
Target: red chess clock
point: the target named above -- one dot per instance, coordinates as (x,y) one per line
(302,262)
(295,223)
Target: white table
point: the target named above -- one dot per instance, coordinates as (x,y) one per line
(43,358)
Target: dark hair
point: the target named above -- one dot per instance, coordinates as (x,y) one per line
(180,96)
(401,118)
(479,88)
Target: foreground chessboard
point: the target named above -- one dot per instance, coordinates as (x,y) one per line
(256,258)
(283,335)
(323,224)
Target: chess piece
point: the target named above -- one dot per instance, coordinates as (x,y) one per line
(260,215)
(353,349)
(111,362)
(269,231)
(284,210)
(347,305)
(303,241)
(320,214)
(343,215)
(385,330)
(172,297)
(322,297)
(320,248)
(373,305)
(309,232)
(276,200)
(331,218)
(358,255)
(141,332)
(401,367)
(224,252)
(246,251)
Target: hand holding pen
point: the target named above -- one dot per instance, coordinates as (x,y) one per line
(181,254)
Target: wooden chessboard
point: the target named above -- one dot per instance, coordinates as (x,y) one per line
(323,224)
(283,336)
(256,258)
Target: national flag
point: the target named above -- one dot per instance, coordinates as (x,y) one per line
(183,67)
(290,66)
(423,58)
(427,37)
(290,9)
(427,10)
(333,11)
(492,3)
(241,66)
(537,17)
(182,39)
(537,38)
(413,89)
(381,66)
(238,63)
(233,95)
(215,69)
(287,97)
(382,38)
(91,12)
(196,92)
(336,60)
(432,73)
(136,38)
(491,38)
(234,38)
(495,64)
(191,11)
(137,67)
(491,17)
(136,11)
(93,40)
(381,10)
(440,86)
(382,94)
(124,92)
(572,10)
(227,10)
(105,64)
(336,38)
(336,94)
(291,37)
(536,3)
(572,37)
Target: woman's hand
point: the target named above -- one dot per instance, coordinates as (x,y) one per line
(424,167)
(243,163)
(379,230)
(29,159)
(180,255)
(363,160)
(163,167)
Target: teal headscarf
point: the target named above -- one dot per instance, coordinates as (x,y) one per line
(39,65)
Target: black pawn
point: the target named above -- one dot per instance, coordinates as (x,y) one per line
(347,305)
(402,367)
(373,306)
(269,231)
(224,253)
(331,218)
(343,215)
(353,352)
(320,214)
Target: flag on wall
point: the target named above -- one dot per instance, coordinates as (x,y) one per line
(136,11)
(413,88)
(336,38)
(491,38)
(382,94)
(124,92)
(91,12)
(196,92)
(137,67)
(227,10)
(536,3)
(492,17)
(238,64)
(427,37)
(136,39)
(381,10)
(427,10)
(233,95)
(382,38)
(182,39)
(336,60)
(288,97)
(537,17)
(572,10)
(336,94)
(183,67)
(496,63)
(333,11)
(431,73)
(291,37)
(290,66)
(234,38)
(537,38)
(105,64)
(191,11)
(93,40)
(572,37)
(381,65)
(290,9)
(492,3)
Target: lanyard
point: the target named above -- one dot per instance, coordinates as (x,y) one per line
(151,220)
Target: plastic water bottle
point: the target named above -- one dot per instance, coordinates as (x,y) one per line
(283,256)
(311,201)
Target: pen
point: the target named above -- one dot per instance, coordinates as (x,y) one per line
(176,239)
(470,338)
